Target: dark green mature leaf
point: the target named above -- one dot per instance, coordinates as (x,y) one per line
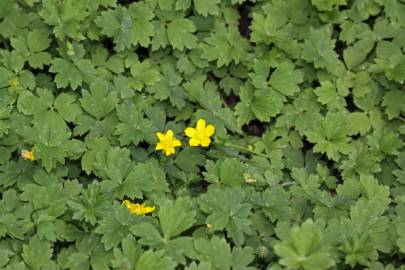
(331,136)
(227,210)
(257,104)
(151,260)
(100,101)
(220,46)
(73,14)
(218,254)
(128,26)
(305,249)
(145,178)
(67,106)
(133,126)
(176,217)
(229,172)
(73,74)
(114,227)
(285,79)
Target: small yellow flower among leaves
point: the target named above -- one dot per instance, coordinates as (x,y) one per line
(200,135)
(138,209)
(167,142)
(28,155)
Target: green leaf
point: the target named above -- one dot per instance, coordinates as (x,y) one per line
(319,50)
(144,74)
(328,5)
(328,95)
(114,227)
(360,162)
(179,34)
(100,101)
(128,27)
(220,46)
(67,106)
(176,217)
(227,210)
(360,123)
(385,143)
(394,103)
(169,86)
(152,260)
(216,251)
(113,164)
(217,254)
(73,74)
(133,126)
(147,178)
(276,203)
(68,74)
(285,79)
(305,249)
(37,253)
(206,7)
(356,54)
(229,172)
(127,256)
(38,40)
(331,136)
(261,104)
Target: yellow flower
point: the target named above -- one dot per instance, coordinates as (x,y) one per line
(28,155)
(138,209)
(167,142)
(200,135)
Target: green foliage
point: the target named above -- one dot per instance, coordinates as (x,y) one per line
(305,169)
(304,249)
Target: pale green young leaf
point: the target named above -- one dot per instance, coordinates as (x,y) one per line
(180,34)
(37,253)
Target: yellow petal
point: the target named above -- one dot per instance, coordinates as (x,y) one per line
(200,125)
(169,134)
(209,130)
(160,136)
(28,155)
(159,146)
(127,203)
(176,143)
(194,142)
(190,132)
(148,209)
(205,142)
(169,151)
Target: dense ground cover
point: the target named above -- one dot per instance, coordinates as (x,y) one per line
(202,134)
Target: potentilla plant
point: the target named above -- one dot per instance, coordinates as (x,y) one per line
(202,134)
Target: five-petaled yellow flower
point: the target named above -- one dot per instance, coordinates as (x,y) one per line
(200,135)
(167,142)
(28,155)
(138,209)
